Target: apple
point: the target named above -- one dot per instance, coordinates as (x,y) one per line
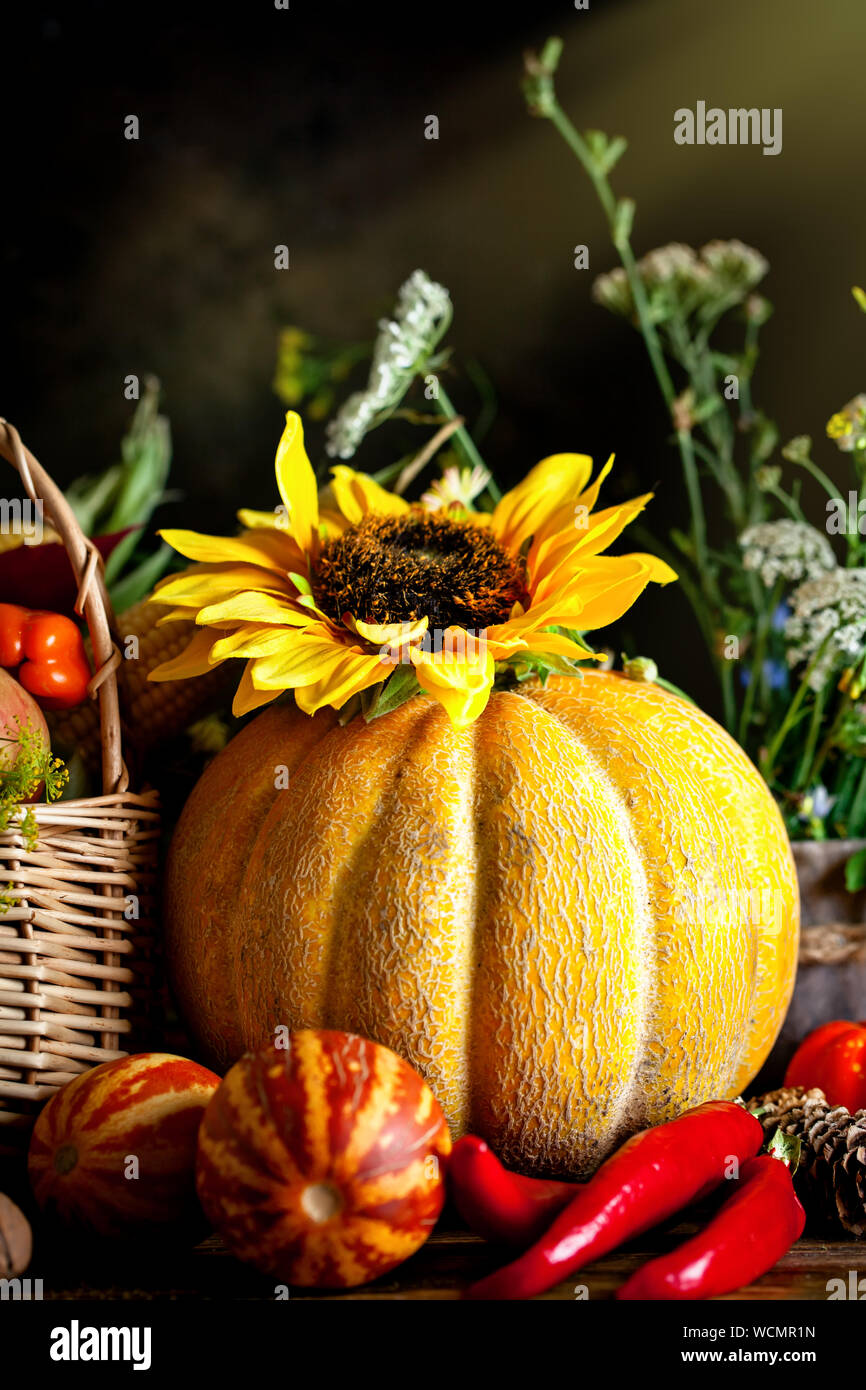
(17,709)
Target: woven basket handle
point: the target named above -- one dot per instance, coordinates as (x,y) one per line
(92,600)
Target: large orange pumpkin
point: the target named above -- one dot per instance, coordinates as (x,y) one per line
(577,917)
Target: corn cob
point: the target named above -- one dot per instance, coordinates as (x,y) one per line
(151,710)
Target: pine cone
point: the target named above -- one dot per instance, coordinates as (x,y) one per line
(831,1179)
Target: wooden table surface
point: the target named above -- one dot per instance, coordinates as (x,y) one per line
(450,1260)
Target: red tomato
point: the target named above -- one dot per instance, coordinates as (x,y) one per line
(834,1059)
(49,650)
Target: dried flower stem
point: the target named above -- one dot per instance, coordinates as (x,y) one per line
(541,96)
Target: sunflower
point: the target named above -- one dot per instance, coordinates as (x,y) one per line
(331,602)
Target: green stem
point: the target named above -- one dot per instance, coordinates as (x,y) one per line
(769,758)
(858,808)
(802,777)
(463,440)
(729,701)
(607,198)
(757,673)
(820,476)
(787,502)
(844,792)
(572,137)
(844,705)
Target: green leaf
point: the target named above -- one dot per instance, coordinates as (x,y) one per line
(787,1148)
(703,409)
(146,459)
(133,586)
(855,872)
(675,690)
(613,154)
(91,495)
(683,542)
(399,688)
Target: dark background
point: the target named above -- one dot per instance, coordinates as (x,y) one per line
(306,126)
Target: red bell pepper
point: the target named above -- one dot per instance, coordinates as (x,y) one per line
(500,1205)
(652,1176)
(49,651)
(753,1229)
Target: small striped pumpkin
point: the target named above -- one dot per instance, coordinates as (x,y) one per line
(114,1151)
(321,1162)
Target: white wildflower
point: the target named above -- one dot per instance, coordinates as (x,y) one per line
(611,290)
(790,550)
(674,263)
(828,617)
(460,485)
(678,276)
(422,315)
(734,263)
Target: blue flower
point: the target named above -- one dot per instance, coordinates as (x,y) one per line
(780,617)
(817,804)
(775,675)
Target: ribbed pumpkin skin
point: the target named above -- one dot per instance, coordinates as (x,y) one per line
(322,1163)
(577,917)
(150,1106)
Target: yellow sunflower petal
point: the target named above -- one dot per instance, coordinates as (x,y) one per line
(297,483)
(589,497)
(389,634)
(277,520)
(659,571)
(524,510)
(304,658)
(249,641)
(356,494)
(247,698)
(253,607)
(219,549)
(198,586)
(557,644)
(331,524)
(552,561)
(349,675)
(460,676)
(194,660)
(608,593)
(174,615)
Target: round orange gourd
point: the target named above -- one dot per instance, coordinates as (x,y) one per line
(321,1161)
(113,1152)
(576,917)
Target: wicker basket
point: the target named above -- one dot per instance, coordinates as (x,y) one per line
(77,951)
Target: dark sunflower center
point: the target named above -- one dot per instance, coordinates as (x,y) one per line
(394,569)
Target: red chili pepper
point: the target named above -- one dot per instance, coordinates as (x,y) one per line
(49,649)
(498,1204)
(754,1228)
(652,1176)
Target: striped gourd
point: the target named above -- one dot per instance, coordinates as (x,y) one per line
(146,1108)
(320,1161)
